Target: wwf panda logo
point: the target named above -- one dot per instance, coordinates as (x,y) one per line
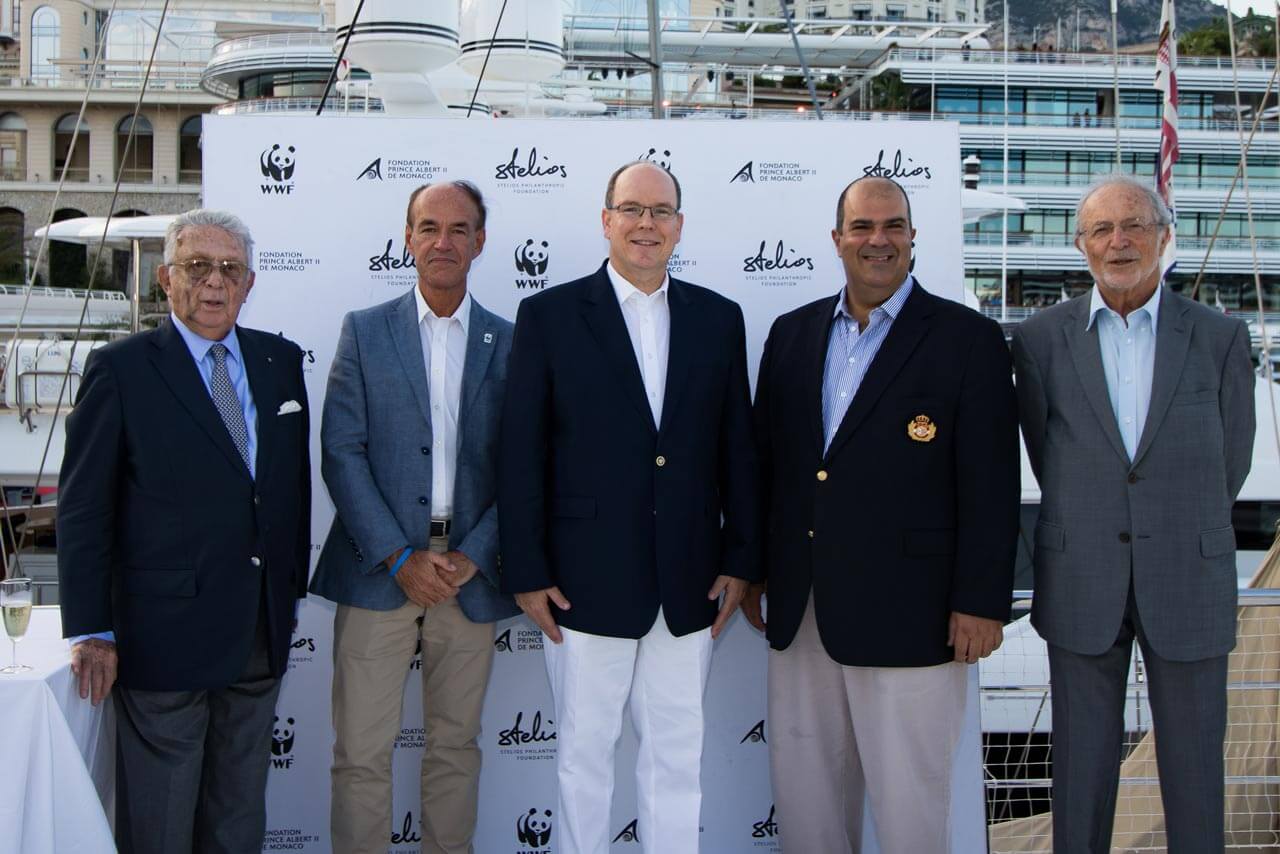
(282,737)
(534,830)
(277,163)
(531,258)
(661,158)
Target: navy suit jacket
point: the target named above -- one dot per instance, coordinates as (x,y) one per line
(375,446)
(163,536)
(890,534)
(622,514)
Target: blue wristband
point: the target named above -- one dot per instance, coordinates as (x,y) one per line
(404,555)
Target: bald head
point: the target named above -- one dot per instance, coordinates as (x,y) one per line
(638,164)
(872,186)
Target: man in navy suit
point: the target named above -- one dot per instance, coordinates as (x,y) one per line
(626,436)
(409,449)
(888,433)
(184,536)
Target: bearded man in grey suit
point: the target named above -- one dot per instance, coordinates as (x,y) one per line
(1138,412)
(409,449)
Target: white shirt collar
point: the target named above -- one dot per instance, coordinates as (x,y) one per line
(462,314)
(1097,304)
(624,290)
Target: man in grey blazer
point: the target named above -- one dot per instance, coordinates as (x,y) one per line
(1138,412)
(408,443)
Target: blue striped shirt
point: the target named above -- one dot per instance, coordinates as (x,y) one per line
(850,352)
(199,347)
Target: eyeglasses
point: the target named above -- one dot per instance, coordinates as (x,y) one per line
(660,213)
(1132,229)
(199,269)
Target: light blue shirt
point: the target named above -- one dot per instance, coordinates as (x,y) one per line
(1128,348)
(199,349)
(850,352)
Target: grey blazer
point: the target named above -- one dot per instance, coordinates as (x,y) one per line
(375,445)
(1165,515)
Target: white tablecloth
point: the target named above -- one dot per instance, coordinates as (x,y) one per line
(57,752)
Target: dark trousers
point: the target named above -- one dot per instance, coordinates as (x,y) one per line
(191,766)
(1189,713)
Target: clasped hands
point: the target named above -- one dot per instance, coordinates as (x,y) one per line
(537,604)
(429,578)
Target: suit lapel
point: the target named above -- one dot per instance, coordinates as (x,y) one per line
(476,363)
(815,358)
(604,318)
(909,327)
(680,349)
(403,324)
(173,361)
(1086,354)
(260,371)
(1173,337)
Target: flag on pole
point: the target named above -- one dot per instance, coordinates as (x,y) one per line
(1166,81)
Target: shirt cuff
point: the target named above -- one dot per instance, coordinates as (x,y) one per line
(109,637)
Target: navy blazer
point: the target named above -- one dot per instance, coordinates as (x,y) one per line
(891,534)
(622,514)
(163,536)
(375,447)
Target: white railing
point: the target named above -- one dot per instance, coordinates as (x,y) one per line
(1017,725)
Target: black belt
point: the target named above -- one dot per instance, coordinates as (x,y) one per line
(440,527)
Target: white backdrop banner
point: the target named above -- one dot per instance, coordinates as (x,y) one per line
(325,199)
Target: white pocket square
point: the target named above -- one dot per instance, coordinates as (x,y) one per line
(288,407)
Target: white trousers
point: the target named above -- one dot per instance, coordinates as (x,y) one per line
(592,678)
(839,735)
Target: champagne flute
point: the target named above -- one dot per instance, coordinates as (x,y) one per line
(15,606)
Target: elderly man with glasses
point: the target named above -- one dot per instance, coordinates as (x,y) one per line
(184,529)
(1138,412)
(625,436)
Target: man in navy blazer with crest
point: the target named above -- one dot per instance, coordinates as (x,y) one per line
(888,436)
(626,437)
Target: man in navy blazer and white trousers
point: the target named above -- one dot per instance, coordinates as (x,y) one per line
(627,433)
(409,448)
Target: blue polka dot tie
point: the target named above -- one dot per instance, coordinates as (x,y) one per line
(228,405)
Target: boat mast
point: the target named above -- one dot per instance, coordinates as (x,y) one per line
(655,61)
(1115,78)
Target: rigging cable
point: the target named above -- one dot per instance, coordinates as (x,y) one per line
(62,179)
(337,63)
(93,272)
(1253,237)
(488,52)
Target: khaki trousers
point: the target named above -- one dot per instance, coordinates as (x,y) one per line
(838,735)
(371,657)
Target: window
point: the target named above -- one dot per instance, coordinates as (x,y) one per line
(13,148)
(189,156)
(44,43)
(76,160)
(133,159)
(12,238)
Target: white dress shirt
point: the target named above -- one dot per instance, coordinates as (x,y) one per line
(444,352)
(1128,347)
(648,319)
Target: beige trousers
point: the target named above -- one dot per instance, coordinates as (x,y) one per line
(371,656)
(839,735)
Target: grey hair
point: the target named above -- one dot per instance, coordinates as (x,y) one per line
(224,220)
(1158,207)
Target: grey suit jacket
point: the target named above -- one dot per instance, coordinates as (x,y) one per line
(375,445)
(1164,516)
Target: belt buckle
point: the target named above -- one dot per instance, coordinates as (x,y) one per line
(439,527)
